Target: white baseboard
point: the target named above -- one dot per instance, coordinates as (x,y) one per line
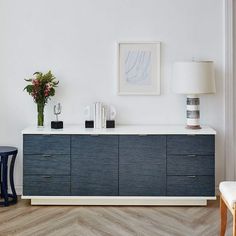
(118,200)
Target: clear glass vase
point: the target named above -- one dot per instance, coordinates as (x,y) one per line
(40,108)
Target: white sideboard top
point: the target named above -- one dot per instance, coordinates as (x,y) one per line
(121,129)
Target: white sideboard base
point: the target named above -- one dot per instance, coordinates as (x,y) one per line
(121,201)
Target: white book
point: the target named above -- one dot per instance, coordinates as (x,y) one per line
(103,116)
(93,113)
(97,115)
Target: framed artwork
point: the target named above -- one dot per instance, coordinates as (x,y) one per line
(139,68)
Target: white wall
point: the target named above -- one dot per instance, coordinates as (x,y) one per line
(76,40)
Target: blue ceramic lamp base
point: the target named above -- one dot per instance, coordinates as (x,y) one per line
(193,112)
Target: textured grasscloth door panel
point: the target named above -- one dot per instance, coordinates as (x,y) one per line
(94,165)
(191,144)
(190,186)
(40,185)
(46,144)
(142,165)
(190,165)
(46,164)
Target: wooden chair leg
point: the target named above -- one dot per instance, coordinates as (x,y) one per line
(223,217)
(234,220)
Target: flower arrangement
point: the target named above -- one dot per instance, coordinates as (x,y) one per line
(41,88)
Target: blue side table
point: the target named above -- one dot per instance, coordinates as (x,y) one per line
(5,153)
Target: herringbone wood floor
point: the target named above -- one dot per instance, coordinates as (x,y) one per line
(25,220)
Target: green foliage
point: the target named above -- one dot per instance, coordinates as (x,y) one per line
(41,87)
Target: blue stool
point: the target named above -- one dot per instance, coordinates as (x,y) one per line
(5,152)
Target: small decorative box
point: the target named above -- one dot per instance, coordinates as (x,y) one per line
(110,124)
(89,124)
(57,124)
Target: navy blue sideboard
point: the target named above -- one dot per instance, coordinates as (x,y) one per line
(118,165)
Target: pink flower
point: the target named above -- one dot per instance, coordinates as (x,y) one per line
(35,82)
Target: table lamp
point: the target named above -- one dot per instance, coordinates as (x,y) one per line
(193,78)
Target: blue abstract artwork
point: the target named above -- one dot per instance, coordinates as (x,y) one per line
(138,67)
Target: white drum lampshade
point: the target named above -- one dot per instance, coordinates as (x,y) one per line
(193,78)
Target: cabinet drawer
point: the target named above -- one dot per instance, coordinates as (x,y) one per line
(47,164)
(190,186)
(190,165)
(38,185)
(46,144)
(191,144)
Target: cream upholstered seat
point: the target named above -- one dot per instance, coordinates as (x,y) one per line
(227,201)
(228,190)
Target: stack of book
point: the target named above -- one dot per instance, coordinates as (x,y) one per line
(99,115)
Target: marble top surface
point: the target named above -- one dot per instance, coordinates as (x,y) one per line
(121,130)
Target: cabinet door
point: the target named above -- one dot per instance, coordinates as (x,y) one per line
(94,165)
(142,165)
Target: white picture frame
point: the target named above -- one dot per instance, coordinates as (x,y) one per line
(139,65)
